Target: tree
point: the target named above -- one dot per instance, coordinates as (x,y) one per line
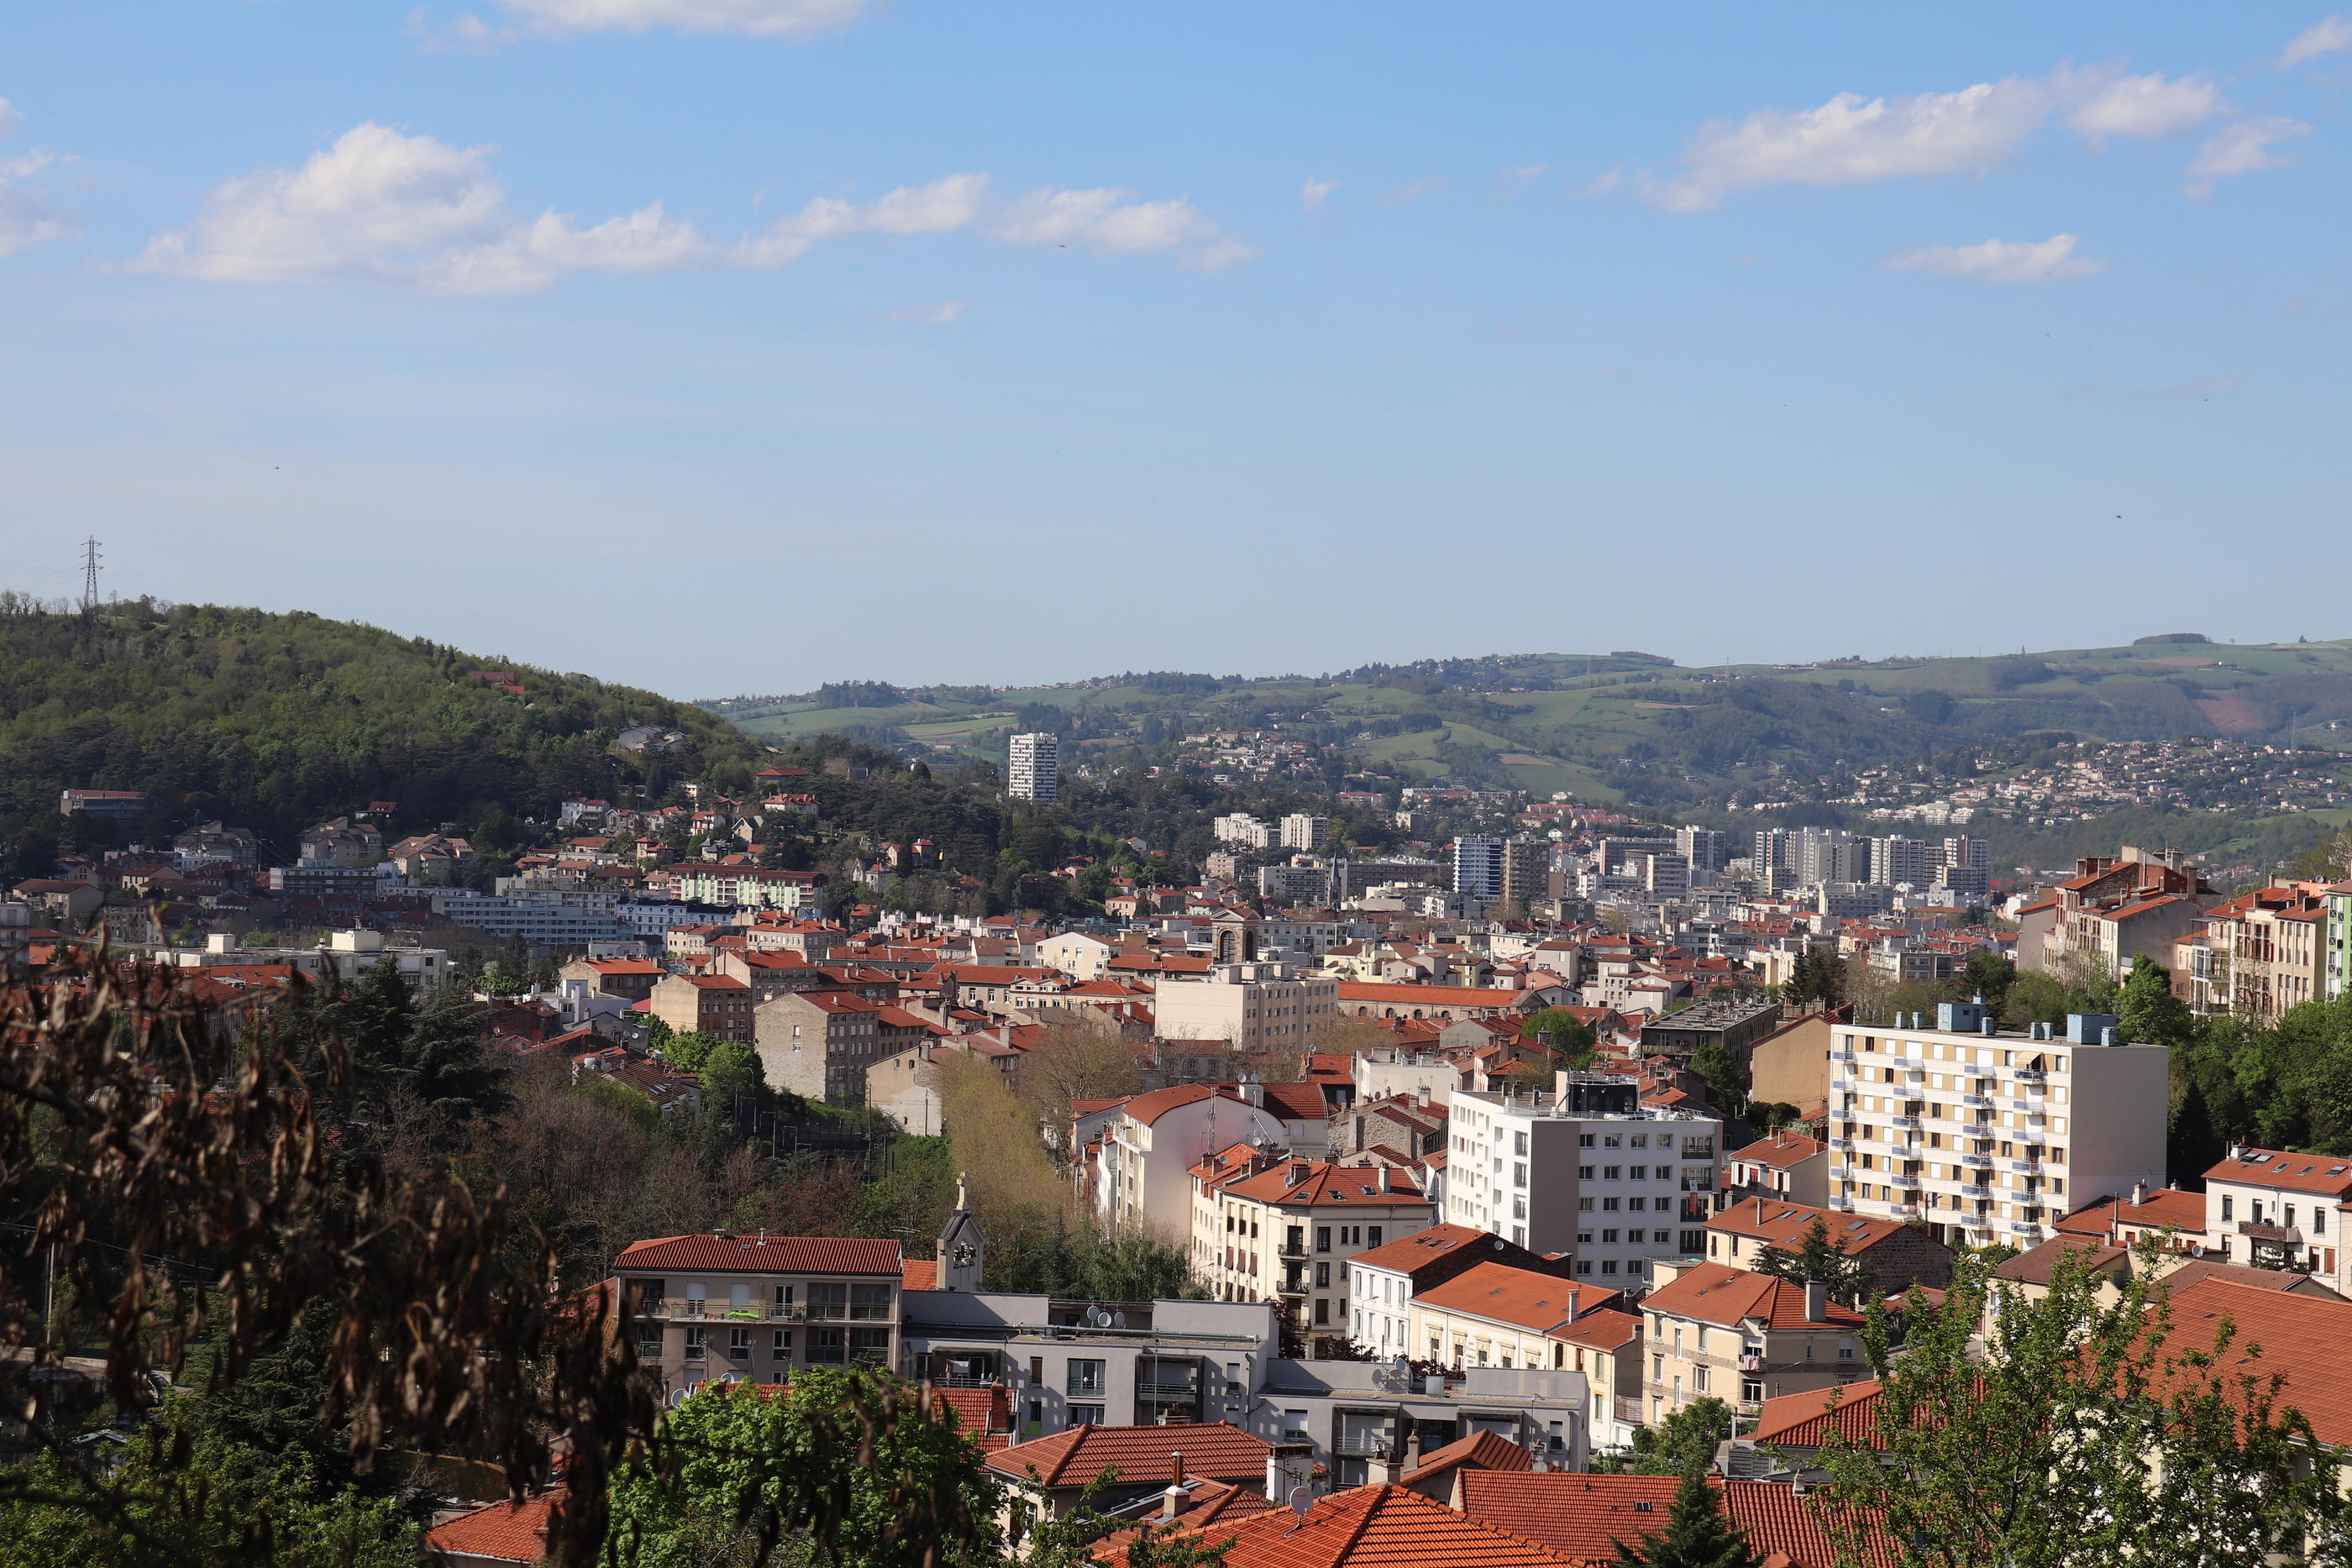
(1072,1060)
(686,1050)
(1715,1063)
(731,1075)
(829,1461)
(2146,1012)
(1684,1441)
(1816,979)
(1697,1534)
(1562,1032)
(2083,1428)
(1988,975)
(1817,1262)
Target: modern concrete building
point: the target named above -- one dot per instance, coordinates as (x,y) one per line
(1991,1137)
(1302,830)
(740,1309)
(1478,866)
(1250,1006)
(1583,1169)
(1035,772)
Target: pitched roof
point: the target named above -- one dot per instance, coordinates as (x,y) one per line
(1480,1451)
(1805,1420)
(1428,996)
(2036,1265)
(2307,1339)
(1779,1151)
(1710,1292)
(1296,1102)
(1784,1225)
(1327,1186)
(505,1531)
(1582,1517)
(1520,1296)
(1150,1107)
(1782,1527)
(1218,1449)
(1204,1504)
(1377,1527)
(919,1274)
(2293,1172)
(763,1255)
(1421,1247)
(1604,1328)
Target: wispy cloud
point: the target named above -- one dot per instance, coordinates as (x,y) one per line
(1852,141)
(2241,149)
(2051,260)
(1600,185)
(939,315)
(1314,192)
(2330,36)
(2198,391)
(1525,173)
(26,216)
(381,205)
(793,19)
(1411,193)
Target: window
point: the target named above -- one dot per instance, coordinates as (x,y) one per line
(1609,1236)
(828,1302)
(1584,1239)
(1609,1266)
(1610,1173)
(1638,1173)
(827,1347)
(783,1345)
(1084,1378)
(739,1343)
(1610,1204)
(2227,1204)
(1371,1236)
(1584,1205)
(1584,1140)
(1322,1238)
(869,1303)
(1086,1414)
(1322,1311)
(1584,1173)
(1518,1142)
(698,1342)
(783,1299)
(1584,1266)
(870,1346)
(1518,1176)
(1322,1276)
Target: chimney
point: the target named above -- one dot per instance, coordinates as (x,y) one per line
(1299,1169)
(1384,1178)
(1171,1502)
(1817,1301)
(2139,1192)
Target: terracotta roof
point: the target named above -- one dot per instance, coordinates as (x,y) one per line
(1325,1185)
(1779,1151)
(1478,1451)
(2293,1173)
(1710,1292)
(1204,1504)
(1218,1450)
(769,1255)
(1604,1328)
(919,1274)
(1377,1527)
(1805,1420)
(1784,1225)
(2196,1271)
(1296,1102)
(1581,1516)
(2307,1339)
(1518,1296)
(505,1531)
(1427,996)
(2166,1208)
(1783,1528)
(1409,1253)
(2036,1265)
(1149,1108)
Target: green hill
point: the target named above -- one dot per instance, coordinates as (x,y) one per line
(277,721)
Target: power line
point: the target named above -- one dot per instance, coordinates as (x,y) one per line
(90,569)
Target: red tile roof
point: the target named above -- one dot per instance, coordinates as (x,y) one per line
(1478,1451)
(1218,1450)
(1581,1516)
(1520,1296)
(2293,1172)
(1205,1502)
(1149,1108)
(1376,1526)
(1422,1246)
(1709,1293)
(1605,1329)
(504,1531)
(1428,996)
(1805,1420)
(2306,1339)
(919,1274)
(1296,1102)
(763,1255)
(1779,1151)
(1779,1224)
(1325,1185)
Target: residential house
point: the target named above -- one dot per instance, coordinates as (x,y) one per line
(1370,1526)
(1898,1255)
(718,1005)
(1718,1332)
(1495,1315)
(740,1309)
(1605,1345)
(2281,1210)
(819,1044)
(1152,1141)
(1787,1165)
(1382,1281)
(1049,1477)
(1266,1226)
(2259,954)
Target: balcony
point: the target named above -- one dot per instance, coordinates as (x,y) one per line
(697,1310)
(1629,1409)
(2280,1234)
(1982,1161)
(1291,1250)
(1910,1124)
(1841,1083)
(1978,1100)
(1841,1056)
(1841,1143)
(1156,1392)
(1752,1362)
(2030,1074)
(1361,1444)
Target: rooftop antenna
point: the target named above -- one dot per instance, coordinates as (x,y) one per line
(90,571)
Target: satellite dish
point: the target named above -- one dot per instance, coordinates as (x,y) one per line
(1301,1499)
(1099,1317)
(677,1396)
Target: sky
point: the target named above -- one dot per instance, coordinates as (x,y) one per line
(732,346)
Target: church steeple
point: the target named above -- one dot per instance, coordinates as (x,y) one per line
(962,1246)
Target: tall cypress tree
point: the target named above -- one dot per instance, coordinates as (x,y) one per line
(1697,1534)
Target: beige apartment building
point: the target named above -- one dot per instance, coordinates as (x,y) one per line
(1269,1228)
(2259,954)
(1711,1331)
(819,1044)
(745,1309)
(1496,1316)
(1254,1006)
(1989,1137)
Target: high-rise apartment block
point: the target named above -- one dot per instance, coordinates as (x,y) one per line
(1584,1169)
(1478,866)
(1527,870)
(1035,773)
(1302,830)
(1991,1137)
(1706,849)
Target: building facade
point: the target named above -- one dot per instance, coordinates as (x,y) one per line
(737,1309)
(1035,766)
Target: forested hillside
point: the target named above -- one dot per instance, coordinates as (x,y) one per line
(276,721)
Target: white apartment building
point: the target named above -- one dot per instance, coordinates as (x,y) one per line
(1302,830)
(1586,1170)
(1991,1137)
(1151,1141)
(1252,1006)
(1241,827)
(1035,770)
(1269,1227)
(1478,866)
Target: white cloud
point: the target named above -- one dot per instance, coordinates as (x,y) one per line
(1525,173)
(2328,38)
(1412,191)
(2241,149)
(750,18)
(2146,105)
(1312,194)
(26,219)
(1852,141)
(2051,260)
(385,205)
(939,315)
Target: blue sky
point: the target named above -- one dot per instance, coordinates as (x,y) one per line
(735,345)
